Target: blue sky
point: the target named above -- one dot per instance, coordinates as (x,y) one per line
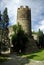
(37,11)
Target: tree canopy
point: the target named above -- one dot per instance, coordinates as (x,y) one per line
(40,39)
(19,39)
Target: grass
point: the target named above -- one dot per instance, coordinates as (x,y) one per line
(3,58)
(39,56)
(35,56)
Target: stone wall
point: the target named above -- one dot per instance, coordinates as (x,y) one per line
(24,18)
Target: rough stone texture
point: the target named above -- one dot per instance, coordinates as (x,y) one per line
(31,46)
(24,18)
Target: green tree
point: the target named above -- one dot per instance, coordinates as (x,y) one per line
(5,17)
(15,29)
(4,22)
(0,16)
(0,31)
(5,30)
(19,39)
(40,38)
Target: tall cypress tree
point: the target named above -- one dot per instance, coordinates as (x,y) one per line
(1,25)
(5,17)
(40,39)
(5,28)
(0,16)
(0,34)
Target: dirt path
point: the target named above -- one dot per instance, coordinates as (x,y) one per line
(17,60)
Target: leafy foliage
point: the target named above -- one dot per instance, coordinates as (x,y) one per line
(5,18)
(40,39)
(19,39)
(4,22)
(0,15)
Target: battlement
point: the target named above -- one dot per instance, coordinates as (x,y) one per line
(24,8)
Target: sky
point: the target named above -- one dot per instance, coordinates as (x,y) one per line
(37,11)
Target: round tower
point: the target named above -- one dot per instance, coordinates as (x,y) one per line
(24,18)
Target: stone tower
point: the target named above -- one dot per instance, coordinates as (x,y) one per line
(24,18)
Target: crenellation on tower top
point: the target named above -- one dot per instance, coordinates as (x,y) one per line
(22,8)
(26,6)
(18,8)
